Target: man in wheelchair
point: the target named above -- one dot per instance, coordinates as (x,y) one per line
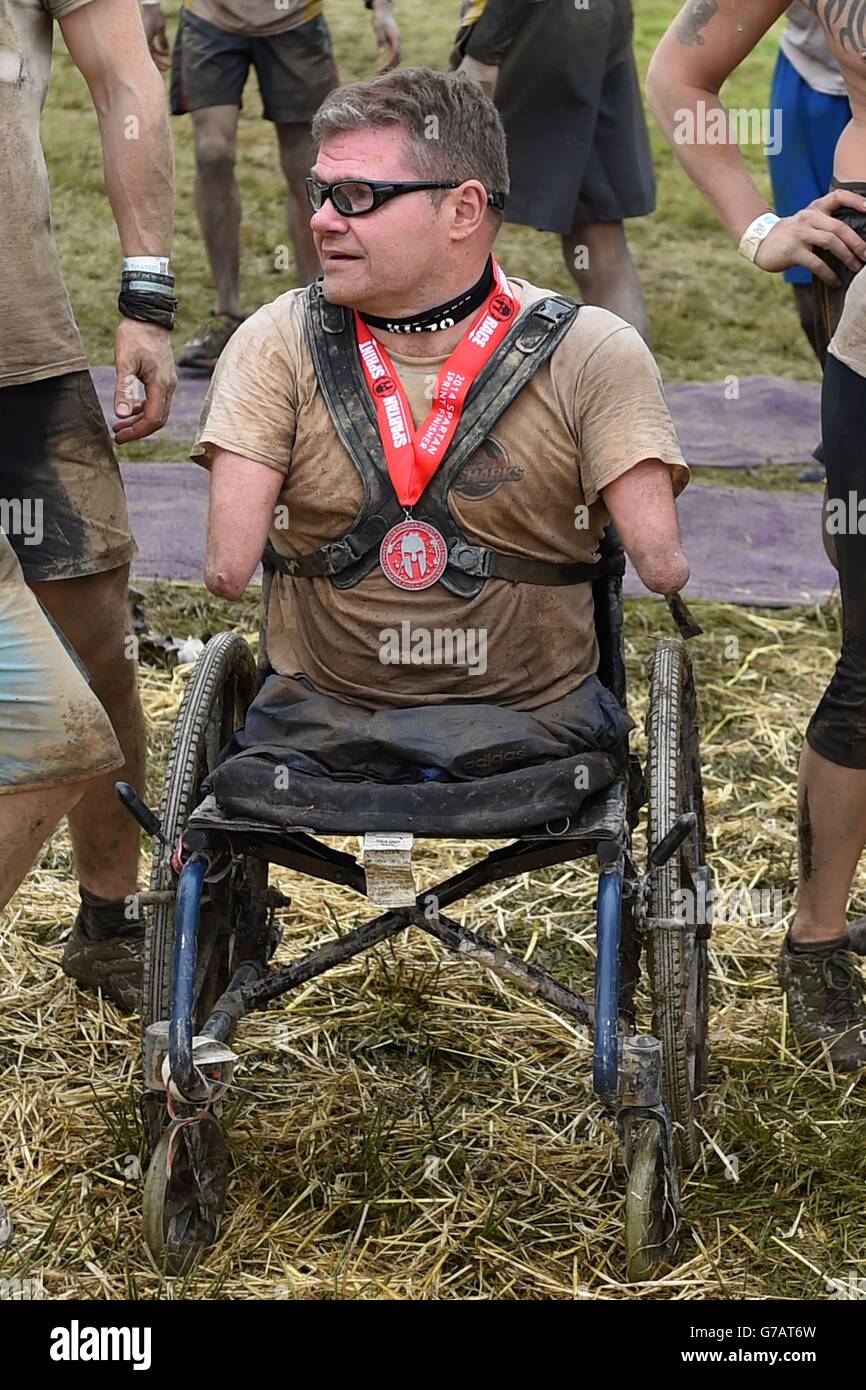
(431,451)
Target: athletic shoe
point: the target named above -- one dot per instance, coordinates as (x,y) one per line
(105,951)
(826,1007)
(202,351)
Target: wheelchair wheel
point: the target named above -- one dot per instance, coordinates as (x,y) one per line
(184,1193)
(648,1214)
(677,958)
(213,707)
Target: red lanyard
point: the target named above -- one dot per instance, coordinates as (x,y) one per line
(414,455)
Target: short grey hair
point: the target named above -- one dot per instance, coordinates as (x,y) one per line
(451,129)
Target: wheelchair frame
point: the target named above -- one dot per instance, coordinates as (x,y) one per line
(186,1063)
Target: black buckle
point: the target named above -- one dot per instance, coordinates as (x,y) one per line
(338,555)
(556,310)
(528,342)
(470,559)
(332,316)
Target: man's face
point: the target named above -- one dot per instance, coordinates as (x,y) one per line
(388,254)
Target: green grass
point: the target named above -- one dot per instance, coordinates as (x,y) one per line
(712,315)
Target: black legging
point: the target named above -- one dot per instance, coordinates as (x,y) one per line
(837,729)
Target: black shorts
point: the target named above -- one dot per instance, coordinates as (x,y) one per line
(60,485)
(837,729)
(209,67)
(569,97)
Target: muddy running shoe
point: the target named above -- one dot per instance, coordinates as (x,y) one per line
(105,951)
(204,349)
(824,990)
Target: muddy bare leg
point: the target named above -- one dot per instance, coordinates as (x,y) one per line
(27,819)
(598,257)
(218,200)
(297,156)
(93,614)
(831,835)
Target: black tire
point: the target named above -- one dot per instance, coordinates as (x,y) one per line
(677,959)
(213,707)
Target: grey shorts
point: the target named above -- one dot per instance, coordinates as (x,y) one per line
(295,69)
(61,496)
(53,729)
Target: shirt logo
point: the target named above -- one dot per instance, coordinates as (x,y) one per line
(486,471)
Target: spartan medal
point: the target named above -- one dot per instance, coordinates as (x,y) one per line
(413,555)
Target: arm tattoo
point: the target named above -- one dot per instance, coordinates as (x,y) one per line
(844,20)
(695,17)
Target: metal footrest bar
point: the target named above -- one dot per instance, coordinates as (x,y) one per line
(508,967)
(257,995)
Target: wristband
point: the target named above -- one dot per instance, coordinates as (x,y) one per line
(148,282)
(148,308)
(755,234)
(156,265)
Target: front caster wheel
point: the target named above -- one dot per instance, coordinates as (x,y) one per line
(184,1192)
(649,1216)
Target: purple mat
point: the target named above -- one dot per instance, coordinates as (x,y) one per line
(771,421)
(747,547)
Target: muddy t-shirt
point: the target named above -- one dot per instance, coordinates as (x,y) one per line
(261,18)
(38,336)
(594,410)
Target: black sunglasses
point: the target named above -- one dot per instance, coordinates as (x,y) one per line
(353,197)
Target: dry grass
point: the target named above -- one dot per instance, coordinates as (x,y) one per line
(410,1127)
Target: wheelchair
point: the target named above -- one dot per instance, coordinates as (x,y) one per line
(212,927)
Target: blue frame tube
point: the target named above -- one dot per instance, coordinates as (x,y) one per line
(180,1033)
(605,1062)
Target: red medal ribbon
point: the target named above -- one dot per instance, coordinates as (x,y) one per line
(414,455)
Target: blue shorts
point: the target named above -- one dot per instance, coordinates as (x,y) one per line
(811,125)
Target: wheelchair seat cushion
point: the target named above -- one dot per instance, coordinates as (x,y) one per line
(309,759)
